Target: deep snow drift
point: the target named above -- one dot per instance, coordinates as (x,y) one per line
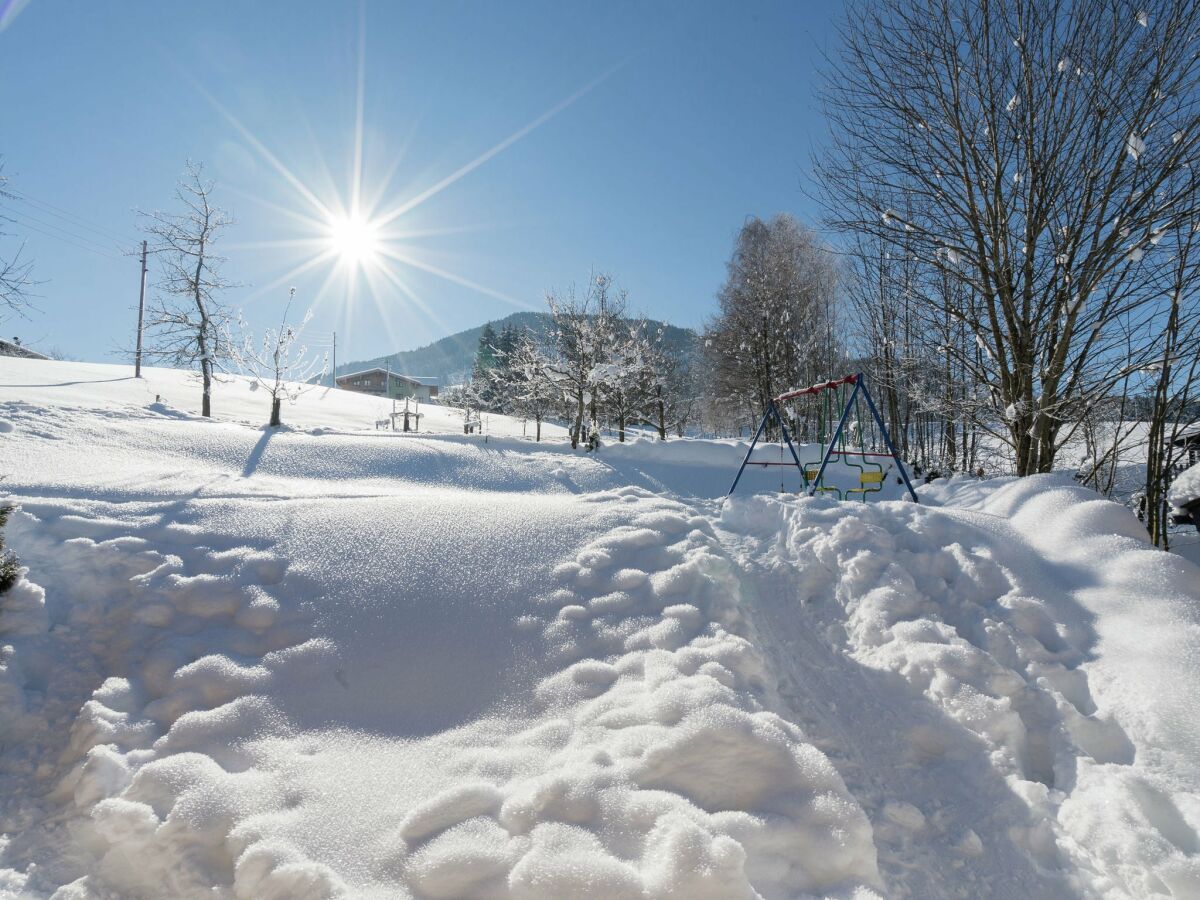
(322,663)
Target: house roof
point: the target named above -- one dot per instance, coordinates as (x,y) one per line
(412,379)
(1188,436)
(12,348)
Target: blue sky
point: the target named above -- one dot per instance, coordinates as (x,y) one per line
(700,114)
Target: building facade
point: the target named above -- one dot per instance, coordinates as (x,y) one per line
(389,384)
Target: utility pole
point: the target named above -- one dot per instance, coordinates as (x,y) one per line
(390,394)
(333,376)
(137,364)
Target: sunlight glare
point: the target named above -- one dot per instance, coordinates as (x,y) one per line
(354,240)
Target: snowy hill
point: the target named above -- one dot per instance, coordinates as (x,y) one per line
(88,387)
(334,662)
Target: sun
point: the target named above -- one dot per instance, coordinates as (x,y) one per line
(367,237)
(354,239)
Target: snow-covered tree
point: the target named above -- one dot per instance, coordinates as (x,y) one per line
(584,331)
(529,385)
(672,397)
(1038,154)
(776,325)
(190,326)
(277,363)
(480,388)
(620,376)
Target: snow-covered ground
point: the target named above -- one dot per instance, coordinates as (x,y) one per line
(236,398)
(326,661)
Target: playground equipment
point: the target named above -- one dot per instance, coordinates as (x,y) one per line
(871,475)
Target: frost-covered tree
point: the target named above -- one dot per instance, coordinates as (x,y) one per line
(1039,155)
(584,332)
(190,326)
(480,389)
(530,386)
(672,394)
(621,376)
(776,328)
(278,365)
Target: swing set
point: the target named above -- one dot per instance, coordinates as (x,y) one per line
(830,394)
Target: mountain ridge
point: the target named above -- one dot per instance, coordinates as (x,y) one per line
(450,359)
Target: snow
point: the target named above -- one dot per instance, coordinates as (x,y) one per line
(335,662)
(1185,488)
(1135,146)
(236,398)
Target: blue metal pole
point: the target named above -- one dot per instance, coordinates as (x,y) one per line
(787,439)
(836,434)
(887,439)
(753,443)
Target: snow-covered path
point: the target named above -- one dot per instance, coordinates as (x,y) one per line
(949,667)
(321,663)
(930,788)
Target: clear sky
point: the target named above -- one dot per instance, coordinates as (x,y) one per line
(674,122)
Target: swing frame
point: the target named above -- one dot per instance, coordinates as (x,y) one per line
(772,411)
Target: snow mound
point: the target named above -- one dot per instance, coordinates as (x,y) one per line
(643,759)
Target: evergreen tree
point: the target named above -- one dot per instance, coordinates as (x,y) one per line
(482,390)
(8,560)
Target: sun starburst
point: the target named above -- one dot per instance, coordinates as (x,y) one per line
(355,240)
(359,239)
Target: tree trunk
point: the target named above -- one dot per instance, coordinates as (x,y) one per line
(538,419)
(577,431)
(206,397)
(275,403)
(1158,446)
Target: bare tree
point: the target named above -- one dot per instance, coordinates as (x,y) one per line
(15,273)
(1037,153)
(277,364)
(1174,408)
(191,326)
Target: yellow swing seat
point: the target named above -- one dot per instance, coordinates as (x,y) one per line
(865,479)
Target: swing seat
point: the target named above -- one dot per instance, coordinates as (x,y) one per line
(864,480)
(811,475)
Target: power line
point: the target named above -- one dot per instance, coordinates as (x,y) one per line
(49,229)
(65,237)
(59,213)
(76,235)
